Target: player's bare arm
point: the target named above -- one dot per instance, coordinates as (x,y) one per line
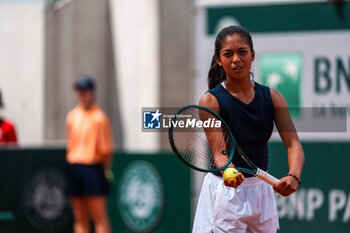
(209,101)
(296,158)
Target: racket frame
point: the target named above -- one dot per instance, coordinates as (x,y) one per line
(256,171)
(178,154)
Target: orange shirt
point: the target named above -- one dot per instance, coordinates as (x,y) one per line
(89,137)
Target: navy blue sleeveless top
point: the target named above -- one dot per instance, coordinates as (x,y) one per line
(251,124)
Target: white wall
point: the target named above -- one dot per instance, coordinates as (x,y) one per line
(135,27)
(136,46)
(21,66)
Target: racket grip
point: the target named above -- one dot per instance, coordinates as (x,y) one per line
(266,177)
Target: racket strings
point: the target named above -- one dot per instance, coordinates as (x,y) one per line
(202,147)
(192,147)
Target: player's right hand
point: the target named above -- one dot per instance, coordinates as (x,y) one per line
(231,182)
(286,186)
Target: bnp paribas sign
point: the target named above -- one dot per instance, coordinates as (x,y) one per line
(283,72)
(315,86)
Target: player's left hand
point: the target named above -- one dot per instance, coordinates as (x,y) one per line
(286,186)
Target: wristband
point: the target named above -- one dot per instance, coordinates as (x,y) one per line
(294,176)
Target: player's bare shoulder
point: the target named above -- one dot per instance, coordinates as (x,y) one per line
(209,101)
(278,99)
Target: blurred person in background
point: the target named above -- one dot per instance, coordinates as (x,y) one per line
(89,153)
(7,130)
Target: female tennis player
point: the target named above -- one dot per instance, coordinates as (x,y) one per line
(249,109)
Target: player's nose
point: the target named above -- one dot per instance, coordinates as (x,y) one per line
(235,58)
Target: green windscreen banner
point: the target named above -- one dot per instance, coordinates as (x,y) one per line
(32,191)
(151,192)
(322,202)
(282,18)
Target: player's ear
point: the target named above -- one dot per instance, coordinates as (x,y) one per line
(218,61)
(253,55)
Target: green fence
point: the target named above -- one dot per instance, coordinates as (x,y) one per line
(150,193)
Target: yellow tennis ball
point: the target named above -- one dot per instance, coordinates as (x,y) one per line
(230,173)
(109,175)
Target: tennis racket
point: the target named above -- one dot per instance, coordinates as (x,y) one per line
(203,141)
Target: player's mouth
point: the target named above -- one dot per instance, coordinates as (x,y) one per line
(238,68)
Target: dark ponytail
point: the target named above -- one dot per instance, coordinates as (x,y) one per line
(216,74)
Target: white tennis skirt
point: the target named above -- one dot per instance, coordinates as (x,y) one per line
(249,208)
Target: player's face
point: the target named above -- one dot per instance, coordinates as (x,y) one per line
(85,97)
(236,57)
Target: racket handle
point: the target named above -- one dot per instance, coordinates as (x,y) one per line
(266,177)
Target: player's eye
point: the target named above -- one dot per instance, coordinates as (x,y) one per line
(243,52)
(227,54)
